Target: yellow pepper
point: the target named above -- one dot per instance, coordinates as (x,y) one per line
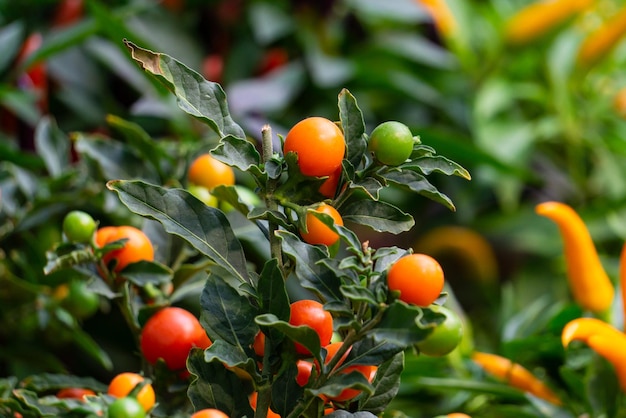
(601,41)
(590,285)
(515,375)
(441,14)
(538,18)
(601,337)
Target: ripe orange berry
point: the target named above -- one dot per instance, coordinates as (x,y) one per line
(418,277)
(320,146)
(208,172)
(123,384)
(312,314)
(317,231)
(209,413)
(137,247)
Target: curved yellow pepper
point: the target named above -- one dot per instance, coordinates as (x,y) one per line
(601,337)
(441,15)
(515,375)
(601,41)
(538,18)
(591,287)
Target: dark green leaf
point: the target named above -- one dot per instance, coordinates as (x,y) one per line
(231,356)
(312,274)
(196,96)
(10,38)
(378,215)
(180,213)
(353,127)
(369,185)
(141,141)
(116,160)
(370,350)
(416,182)
(144,272)
(386,385)
(226,314)
(53,146)
(238,152)
(438,164)
(272,293)
(341,381)
(359,294)
(304,335)
(74,258)
(48,382)
(286,391)
(340,413)
(405,325)
(216,387)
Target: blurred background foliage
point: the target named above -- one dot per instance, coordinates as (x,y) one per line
(534,109)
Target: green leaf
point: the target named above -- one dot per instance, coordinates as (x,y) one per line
(53,146)
(353,127)
(380,216)
(216,387)
(272,294)
(416,182)
(359,294)
(370,350)
(340,413)
(438,164)
(226,314)
(369,185)
(47,382)
(386,385)
(286,391)
(71,259)
(231,356)
(11,36)
(196,96)
(304,335)
(238,152)
(115,159)
(144,272)
(405,325)
(341,381)
(180,213)
(311,273)
(141,141)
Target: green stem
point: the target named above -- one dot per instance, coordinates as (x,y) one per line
(270,201)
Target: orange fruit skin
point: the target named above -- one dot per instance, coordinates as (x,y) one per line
(317,231)
(209,172)
(418,277)
(209,413)
(320,146)
(311,313)
(123,383)
(137,248)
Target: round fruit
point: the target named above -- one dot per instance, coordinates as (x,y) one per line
(137,247)
(391,142)
(122,384)
(366,370)
(312,314)
(126,408)
(203,194)
(170,334)
(329,187)
(209,413)
(445,337)
(418,277)
(317,231)
(80,300)
(320,146)
(259,344)
(304,372)
(78,226)
(74,393)
(208,172)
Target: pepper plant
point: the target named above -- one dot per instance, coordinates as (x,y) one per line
(245,297)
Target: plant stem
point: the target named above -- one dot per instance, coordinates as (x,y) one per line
(270,202)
